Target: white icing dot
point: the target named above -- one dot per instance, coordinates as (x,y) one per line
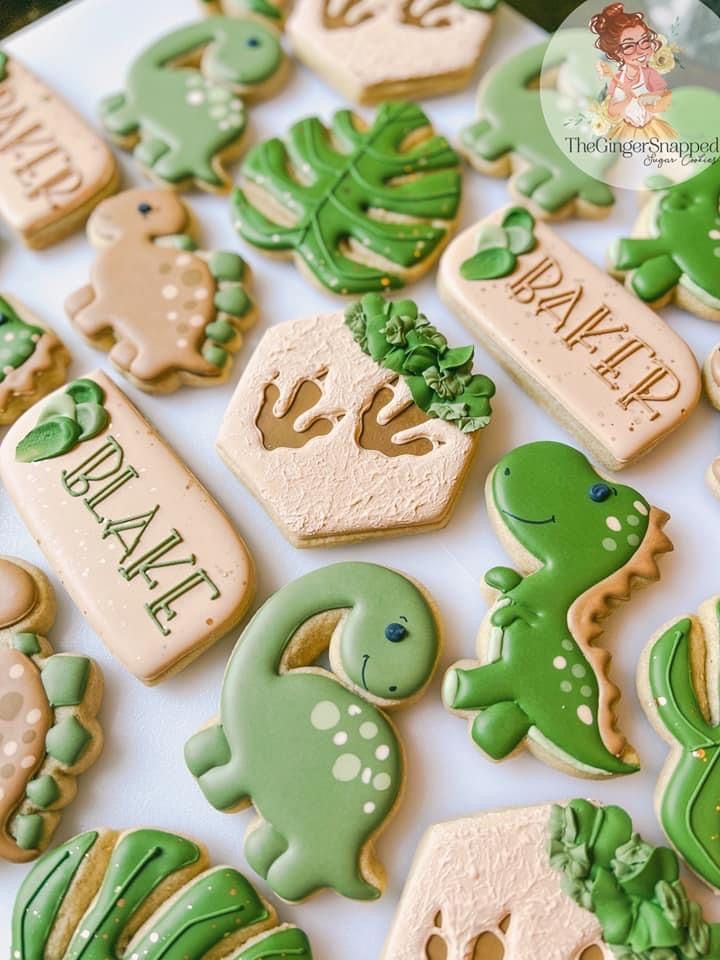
(661,701)
(169,291)
(16,671)
(354,710)
(640,507)
(369,807)
(197,320)
(366,776)
(183,259)
(578,670)
(567,644)
(10,748)
(633,539)
(181,343)
(382,781)
(566,686)
(200,294)
(325,715)
(172,315)
(586,691)
(633,520)
(559,663)
(609,544)
(585,715)
(2,794)
(368,730)
(85,934)
(33,717)
(27,762)
(195,98)
(346,767)
(340,738)
(154,937)
(613,524)
(382,752)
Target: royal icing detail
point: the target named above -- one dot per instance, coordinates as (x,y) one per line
(577,340)
(488,877)
(168,312)
(308,748)
(541,681)
(330,233)
(386,48)
(147,555)
(331,442)
(186,909)
(53,167)
(181,121)
(48,732)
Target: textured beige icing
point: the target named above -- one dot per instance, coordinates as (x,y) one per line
(470,874)
(138,472)
(51,162)
(376,43)
(332,487)
(604,360)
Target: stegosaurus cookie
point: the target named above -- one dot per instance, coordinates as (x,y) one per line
(48,704)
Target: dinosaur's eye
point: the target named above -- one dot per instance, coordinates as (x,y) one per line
(599,492)
(506,472)
(395,632)
(144,208)
(253,42)
(4,318)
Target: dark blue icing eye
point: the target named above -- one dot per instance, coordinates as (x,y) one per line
(253,42)
(395,632)
(600,492)
(144,208)
(506,471)
(4,318)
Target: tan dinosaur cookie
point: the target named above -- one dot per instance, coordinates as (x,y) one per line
(33,360)
(53,167)
(147,555)
(355,425)
(169,314)
(48,704)
(373,50)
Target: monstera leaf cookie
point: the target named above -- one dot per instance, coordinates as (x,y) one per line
(48,704)
(108,894)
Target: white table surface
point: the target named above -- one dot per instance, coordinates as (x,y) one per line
(140,779)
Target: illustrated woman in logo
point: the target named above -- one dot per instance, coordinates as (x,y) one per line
(637,93)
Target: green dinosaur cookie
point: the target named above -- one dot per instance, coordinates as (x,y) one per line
(580,542)
(308,748)
(181,111)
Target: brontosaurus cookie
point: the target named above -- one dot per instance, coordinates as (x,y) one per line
(312,749)
(374,50)
(182,111)
(169,314)
(581,544)
(606,366)
(48,704)
(673,254)
(360,208)
(147,893)
(331,400)
(33,359)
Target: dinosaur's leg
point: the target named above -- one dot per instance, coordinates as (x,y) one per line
(123,355)
(176,165)
(149,150)
(208,758)
(91,319)
(263,846)
(294,876)
(656,278)
(489,142)
(79,300)
(500,729)
(119,117)
(530,180)
(478,687)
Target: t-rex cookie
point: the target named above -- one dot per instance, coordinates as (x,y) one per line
(150,559)
(511,138)
(374,50)
(674,253)
(581,544)
(311,749)
(356,425)
(48,704)
(108,894)
(54,168)
(678,688)
(182,111)
(33,360)
(613,373)
(360,208)
(169,314)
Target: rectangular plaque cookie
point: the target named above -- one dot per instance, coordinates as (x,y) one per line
(145,552)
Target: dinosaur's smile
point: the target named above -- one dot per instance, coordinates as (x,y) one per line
(526,520)
(366,657)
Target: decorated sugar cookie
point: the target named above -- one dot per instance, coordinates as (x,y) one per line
(182,112)
(581,543)
(674,252)
(678,690)
(511,137)
(330,400)
(169,314)
(311,749)
(144,893)
(312,198)
(612,372)
(33,360)
(148,556)
(374,50)
(54,168)
(48,703)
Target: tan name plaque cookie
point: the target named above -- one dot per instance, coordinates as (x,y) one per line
(145,552)
(605,365)
(53,167)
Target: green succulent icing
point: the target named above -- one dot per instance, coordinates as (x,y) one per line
(498,246)
(18,339)
(186,117)
(65,420)
(540,686)
(342,179)
(689,799)
(683,247)
(43,791)
(67,741)
(321,764)
(3,65)
(26,643)
(631,887)
(439,377)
